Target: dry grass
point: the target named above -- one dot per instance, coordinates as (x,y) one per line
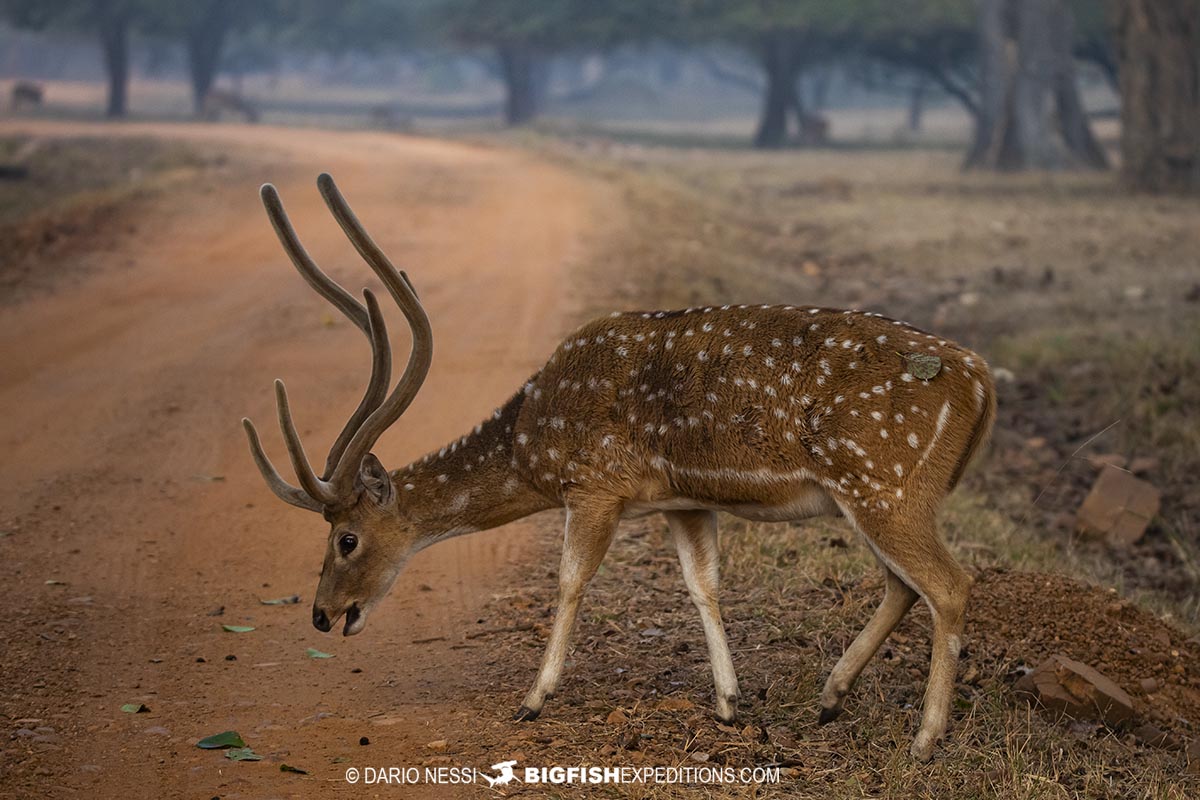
(1087,296)
(73,201)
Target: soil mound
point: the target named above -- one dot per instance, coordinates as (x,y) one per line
(1022,618)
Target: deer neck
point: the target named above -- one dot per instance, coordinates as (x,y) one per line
(470,484)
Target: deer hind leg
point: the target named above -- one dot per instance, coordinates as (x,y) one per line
(898,598)
(908,544)
(589,531)
(695,534)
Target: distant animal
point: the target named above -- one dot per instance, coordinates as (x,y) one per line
(814,129)
(27,94)
(769,412)
(387,118)
(219,101)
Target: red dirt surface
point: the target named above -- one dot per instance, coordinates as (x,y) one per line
(132,511)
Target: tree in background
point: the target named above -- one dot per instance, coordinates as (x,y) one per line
(786,37)
(933,40)
(1158,47)
(523,35)
(1030,112)
(204,27)
(526,34)
(111,20)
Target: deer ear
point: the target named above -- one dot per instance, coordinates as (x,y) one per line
(375,480)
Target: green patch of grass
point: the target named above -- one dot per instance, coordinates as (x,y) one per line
(68,171)
(71,199)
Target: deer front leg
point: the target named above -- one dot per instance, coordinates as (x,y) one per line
(591,524)
(695,534)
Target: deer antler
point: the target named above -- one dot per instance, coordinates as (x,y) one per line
(344,302)
(374,413)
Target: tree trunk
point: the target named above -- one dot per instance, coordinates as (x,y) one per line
(519,65)
(996,70)
(114,41)
(1158,49)
(780,69)
(1073,122)
(204,44)
(1030,113)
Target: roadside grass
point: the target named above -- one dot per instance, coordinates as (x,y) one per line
(72,199)
(64,172)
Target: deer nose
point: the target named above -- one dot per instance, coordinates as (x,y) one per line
(321,620)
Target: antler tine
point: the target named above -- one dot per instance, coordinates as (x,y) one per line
(281,488)
(308,269)
(317,489)
(381,376)
(422,335)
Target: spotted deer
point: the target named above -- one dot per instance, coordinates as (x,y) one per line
(771,413)
(27,94)
(219,101)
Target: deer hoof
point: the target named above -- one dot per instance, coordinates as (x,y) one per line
(828,715)
(725,719)
(526,714)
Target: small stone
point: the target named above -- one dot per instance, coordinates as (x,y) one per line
(1148,685)
(1119,508)
(157,730)
(1076,690)
(364,741)
(1144,464)
(437,745)
(617,717)
(1003,375)
(1154,736)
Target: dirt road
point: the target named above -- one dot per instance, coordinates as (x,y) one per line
(131,511)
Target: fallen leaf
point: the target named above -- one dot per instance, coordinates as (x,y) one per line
(237,628)
(242,754)
(135,708)
(219,740)
(923,366)
(282,601)
(313,652)
(290,768)
(53,582)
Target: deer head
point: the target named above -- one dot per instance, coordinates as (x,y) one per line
(369,539)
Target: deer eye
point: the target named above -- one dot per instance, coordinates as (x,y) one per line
(346,543)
